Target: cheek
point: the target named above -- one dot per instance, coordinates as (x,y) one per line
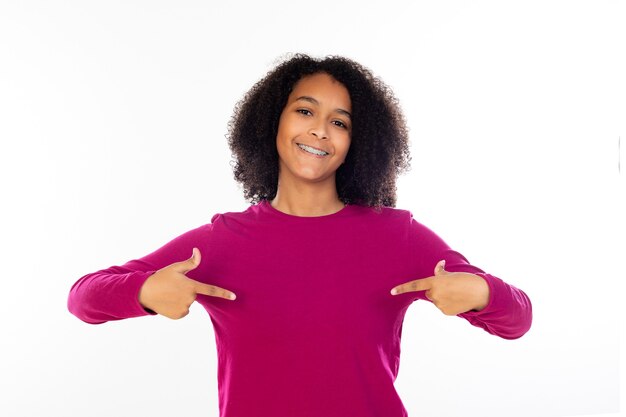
(345,147)
(285,129)
(281,133)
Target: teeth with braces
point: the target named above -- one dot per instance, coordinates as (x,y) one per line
(312,150)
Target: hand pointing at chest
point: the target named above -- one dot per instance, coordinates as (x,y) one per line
(451,292)
(170,293)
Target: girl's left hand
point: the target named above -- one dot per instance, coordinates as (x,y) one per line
(452,292)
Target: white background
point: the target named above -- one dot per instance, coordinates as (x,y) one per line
(112,122)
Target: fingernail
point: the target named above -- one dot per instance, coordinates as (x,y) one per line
(232,296)
(394,291)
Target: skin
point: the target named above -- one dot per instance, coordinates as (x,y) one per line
(451,292)
(170,293)
(306,187)
(306,184)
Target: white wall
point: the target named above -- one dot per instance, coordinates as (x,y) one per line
(112,124)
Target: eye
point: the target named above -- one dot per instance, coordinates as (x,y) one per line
(302,110)
(340,124)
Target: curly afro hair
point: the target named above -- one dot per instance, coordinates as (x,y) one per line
(379,148)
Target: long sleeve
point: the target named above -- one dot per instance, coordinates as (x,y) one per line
(113,293)
(508,313)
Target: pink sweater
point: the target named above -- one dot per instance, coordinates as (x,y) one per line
(314,331)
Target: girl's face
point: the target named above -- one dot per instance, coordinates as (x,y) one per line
(317,115)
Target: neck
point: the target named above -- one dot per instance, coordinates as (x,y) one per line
(307,199)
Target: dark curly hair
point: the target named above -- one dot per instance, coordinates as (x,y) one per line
(379,148)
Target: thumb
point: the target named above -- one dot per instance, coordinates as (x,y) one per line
(439,268)
(191,263)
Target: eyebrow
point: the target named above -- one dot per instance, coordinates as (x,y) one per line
(314,101)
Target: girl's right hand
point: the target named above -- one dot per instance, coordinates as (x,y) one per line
(170,293)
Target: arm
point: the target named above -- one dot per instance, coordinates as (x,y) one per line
(113,293)
(508,313)
(108,294)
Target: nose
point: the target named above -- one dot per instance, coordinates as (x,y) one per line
(319,130)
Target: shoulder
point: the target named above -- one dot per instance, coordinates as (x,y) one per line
(405,220)
(251,213)
(387,219)
(389,214)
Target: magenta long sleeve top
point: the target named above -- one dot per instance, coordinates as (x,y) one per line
(314,331)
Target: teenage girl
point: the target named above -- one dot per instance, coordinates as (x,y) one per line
(307,288)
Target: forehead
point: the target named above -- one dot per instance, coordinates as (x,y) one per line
(322,87)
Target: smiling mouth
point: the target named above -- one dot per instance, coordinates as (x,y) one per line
(311,150)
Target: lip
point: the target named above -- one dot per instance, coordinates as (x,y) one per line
(319,156)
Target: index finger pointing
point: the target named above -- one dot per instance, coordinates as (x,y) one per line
(416,285)
(214,291)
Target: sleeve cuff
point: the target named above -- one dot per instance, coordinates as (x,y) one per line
(138,281)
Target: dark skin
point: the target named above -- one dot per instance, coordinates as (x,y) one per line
(170,293)
(317,114)
(451,292)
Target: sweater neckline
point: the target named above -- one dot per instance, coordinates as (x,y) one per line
(267,207)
